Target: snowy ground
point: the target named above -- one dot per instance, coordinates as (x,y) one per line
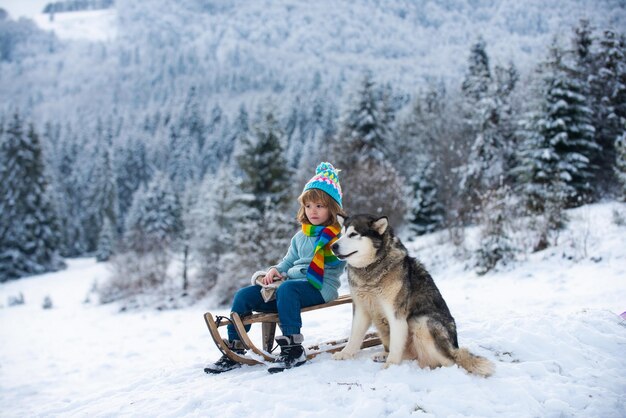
(550,323)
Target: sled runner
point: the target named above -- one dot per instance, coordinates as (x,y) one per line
(268,322)
(220,343)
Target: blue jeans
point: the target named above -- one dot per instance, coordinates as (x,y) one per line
(291,296)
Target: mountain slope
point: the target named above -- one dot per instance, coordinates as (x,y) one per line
(235,51)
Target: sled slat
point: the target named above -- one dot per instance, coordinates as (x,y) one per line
(269,321)
(273,317)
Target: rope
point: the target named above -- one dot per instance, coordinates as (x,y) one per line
(220,318)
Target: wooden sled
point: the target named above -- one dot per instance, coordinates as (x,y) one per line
(268,322)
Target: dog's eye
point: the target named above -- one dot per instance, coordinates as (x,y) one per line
(352,235)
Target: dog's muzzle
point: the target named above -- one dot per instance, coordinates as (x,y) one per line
(335,248)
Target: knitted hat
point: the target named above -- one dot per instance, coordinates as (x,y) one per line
(326,179)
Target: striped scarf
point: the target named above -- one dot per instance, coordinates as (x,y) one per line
(322,256)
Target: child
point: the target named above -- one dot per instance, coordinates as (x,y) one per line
(311,271)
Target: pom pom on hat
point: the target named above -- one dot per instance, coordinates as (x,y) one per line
(326,179)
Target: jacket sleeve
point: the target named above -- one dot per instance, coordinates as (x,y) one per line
(290,258)
(333,272)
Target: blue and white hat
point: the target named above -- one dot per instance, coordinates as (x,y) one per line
(326,179)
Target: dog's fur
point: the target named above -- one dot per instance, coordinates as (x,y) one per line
(395,292)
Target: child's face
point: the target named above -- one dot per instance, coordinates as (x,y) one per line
(316,212)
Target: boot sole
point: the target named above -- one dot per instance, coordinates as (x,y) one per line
(274,370)
(208,370)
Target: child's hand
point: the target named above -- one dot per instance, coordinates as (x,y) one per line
(270,276)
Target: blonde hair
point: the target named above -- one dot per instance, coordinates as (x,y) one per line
(319,196)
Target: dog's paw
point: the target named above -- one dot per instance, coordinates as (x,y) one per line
(342,355)
(380,357)
(389,363)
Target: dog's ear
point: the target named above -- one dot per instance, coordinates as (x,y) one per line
(341,219)
(380,225)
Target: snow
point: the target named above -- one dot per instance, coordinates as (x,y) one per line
(92,25)
(550,322)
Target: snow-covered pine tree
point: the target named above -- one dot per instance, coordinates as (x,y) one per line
(410,136)
(101,192)
(215,120)
(620,164)
(70,189)
(370,181)
(194,144)
(608,93)
(582,44)
(51,142)
(426,211)
(540,183)
(433,131)
(485,161)
(154,221)
(212,221)
(300,129)
(240,138)
(133,170)
(538,175)
(363,127)
(184,248)
(153,228)
(106,240)
(586,64)
(192,123)
(478,109)
(559,138)
(219,145)
(567,124)
(487,113)
(29,229)
(294,140)
(267,175)
(52,145)
(495,245)
(477,80)
(506,81)
(182,158)
(317,145)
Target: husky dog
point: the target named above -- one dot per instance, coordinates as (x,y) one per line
(395,292)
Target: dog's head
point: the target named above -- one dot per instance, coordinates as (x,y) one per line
(361,238)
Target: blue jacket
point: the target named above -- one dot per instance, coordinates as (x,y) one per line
(297,260)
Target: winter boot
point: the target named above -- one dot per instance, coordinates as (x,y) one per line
(291,353)
(225,364)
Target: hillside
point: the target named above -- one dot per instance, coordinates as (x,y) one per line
(143,55)
(550,322)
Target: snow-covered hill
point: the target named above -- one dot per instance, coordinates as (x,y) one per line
(240,51)
(23,8)
(93,25)
(551,324)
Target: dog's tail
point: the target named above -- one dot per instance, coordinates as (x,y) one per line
(472,363)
